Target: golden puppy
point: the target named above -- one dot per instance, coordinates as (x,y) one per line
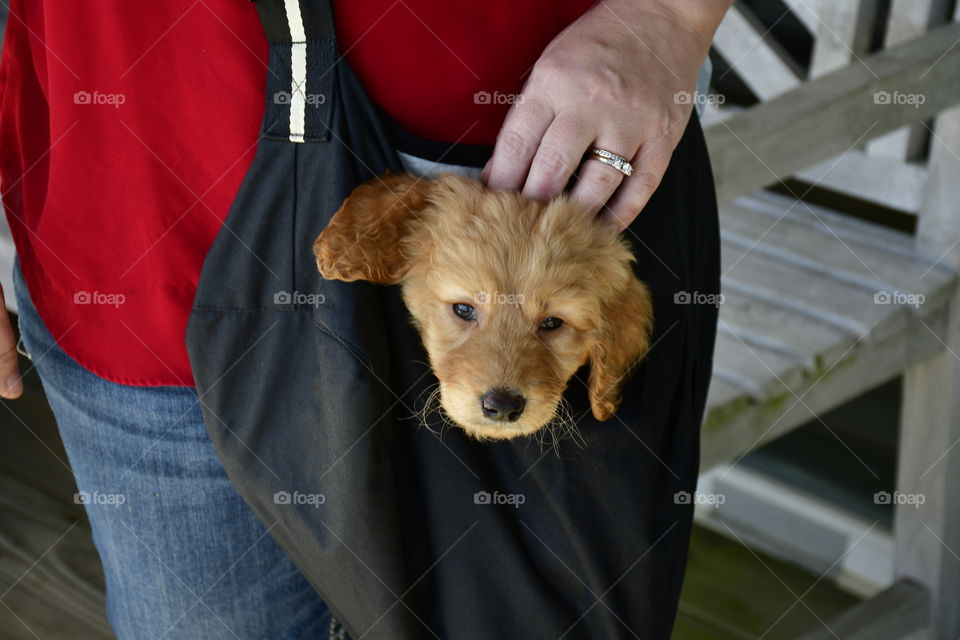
(510,296)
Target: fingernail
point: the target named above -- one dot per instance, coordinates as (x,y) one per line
(12,381)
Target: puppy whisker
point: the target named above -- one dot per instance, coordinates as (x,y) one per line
(433,406)
(562,427)
(424,410)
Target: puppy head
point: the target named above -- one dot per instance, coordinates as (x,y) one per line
(510,296)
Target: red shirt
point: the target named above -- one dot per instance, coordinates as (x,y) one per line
(126,129)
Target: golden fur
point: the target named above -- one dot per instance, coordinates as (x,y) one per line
(516,262)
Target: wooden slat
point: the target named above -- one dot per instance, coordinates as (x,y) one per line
(760,62)
(843,34)
(798,516)
(809,294)
(762,373)
(818,248)
(872,177)
(890,615)
(815,344)
(799,317)
(850,229)
(713,114)
(828,116)
(742,424)
(908,19)
(807,11)
(723,393)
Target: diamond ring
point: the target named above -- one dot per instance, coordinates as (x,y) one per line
(616,161)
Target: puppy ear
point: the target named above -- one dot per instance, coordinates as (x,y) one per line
(363,240)
(623,339)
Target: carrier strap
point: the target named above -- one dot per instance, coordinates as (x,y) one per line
(303,57)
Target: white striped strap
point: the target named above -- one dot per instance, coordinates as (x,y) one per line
(303,54)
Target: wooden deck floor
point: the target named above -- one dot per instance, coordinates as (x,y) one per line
(733,593)
(51,586)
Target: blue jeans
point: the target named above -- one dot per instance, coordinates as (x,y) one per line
(184,556)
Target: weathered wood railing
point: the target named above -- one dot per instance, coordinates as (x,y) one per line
(830,115)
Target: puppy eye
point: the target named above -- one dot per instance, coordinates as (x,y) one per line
(465,311)
(551,324)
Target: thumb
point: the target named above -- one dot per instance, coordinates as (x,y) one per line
(11,386)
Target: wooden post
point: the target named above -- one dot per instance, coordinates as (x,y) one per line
(928,536)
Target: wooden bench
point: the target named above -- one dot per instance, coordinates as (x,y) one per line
(817,308)
(820,307)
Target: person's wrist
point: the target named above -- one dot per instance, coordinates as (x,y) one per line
(698,18)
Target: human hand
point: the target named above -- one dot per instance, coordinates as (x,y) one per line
(9,366)
(610,80)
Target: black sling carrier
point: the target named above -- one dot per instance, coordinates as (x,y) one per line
(308,389)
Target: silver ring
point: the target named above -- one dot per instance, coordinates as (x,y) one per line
(616,161)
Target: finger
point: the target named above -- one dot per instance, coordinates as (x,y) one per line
(649,165)
(557,157)
(10,384)
(517,143)
(596,180)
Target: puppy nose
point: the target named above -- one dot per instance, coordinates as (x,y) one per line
(500,404)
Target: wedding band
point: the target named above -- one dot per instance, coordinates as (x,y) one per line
(616,161)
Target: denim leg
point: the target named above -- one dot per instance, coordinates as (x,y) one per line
(183,554)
